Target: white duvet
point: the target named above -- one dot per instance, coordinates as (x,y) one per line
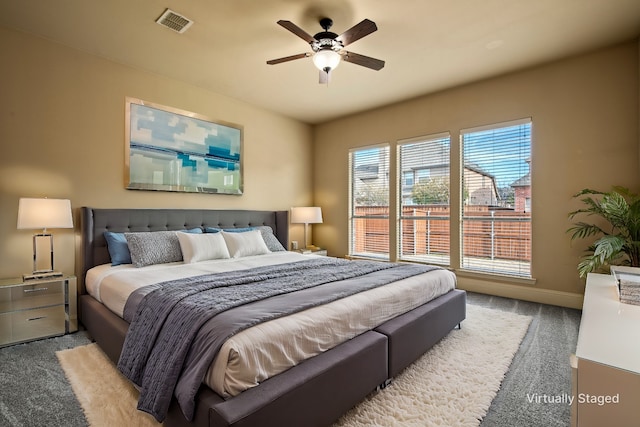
(265,350)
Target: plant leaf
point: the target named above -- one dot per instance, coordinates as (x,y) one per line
(616,210)
(587,191)
(581,230)
(621,244)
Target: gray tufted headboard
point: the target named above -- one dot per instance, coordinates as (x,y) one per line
(96,221)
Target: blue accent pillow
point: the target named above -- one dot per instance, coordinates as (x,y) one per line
(119,248)
(196,230)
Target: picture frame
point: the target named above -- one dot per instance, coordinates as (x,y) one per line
(168,149)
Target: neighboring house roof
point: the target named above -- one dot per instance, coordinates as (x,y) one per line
(475,168)
(524,181)
(484,197)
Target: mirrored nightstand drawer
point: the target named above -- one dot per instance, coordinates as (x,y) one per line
(26,325)
(31,295)
(36,295)
(35,309)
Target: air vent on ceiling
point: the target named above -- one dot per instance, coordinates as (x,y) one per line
(174,21)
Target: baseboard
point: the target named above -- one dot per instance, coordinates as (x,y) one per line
(526,293)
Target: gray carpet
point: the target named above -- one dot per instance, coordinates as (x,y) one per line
(541,365)
(34,391)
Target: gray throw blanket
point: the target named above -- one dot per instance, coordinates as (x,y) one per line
(166,320)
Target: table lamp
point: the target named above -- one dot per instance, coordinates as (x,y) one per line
(44,214)
(306,216)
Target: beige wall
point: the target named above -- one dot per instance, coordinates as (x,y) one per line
(62,136)
(585,134)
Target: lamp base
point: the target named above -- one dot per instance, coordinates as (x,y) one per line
(41,275)
(42,252)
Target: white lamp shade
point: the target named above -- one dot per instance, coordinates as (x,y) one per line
(306,215)
(44,213)
(326,58)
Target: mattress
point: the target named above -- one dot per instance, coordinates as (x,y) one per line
(265,350)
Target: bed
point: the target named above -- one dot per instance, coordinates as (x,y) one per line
(313,392)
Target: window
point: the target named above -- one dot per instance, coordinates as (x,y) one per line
(369,202)
(408,179)
(496,208)
(424,205)
(423,175)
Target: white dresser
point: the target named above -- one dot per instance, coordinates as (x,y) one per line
(606,375)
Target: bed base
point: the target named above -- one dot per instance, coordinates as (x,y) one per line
(413,333)
(314,393)
(325,387)
(318,391)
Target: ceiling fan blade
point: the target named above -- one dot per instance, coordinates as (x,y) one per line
(365,61)
(297,31)
(288,58)
(325,77)
(357,32)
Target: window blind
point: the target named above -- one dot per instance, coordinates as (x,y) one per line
(424,189)
(369,202)
(496,190)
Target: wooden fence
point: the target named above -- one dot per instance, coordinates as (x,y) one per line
(487,233)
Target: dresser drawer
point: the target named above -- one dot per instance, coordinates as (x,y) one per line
(5,328)
(5,300)
(29,324)
(37,295)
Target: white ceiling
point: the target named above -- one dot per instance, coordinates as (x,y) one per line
(428,45)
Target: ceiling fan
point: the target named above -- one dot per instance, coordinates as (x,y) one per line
(328,47)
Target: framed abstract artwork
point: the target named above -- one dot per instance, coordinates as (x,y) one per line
(167,149)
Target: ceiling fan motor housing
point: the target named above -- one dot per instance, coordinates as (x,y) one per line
(326,39)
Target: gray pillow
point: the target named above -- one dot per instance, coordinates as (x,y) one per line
(158,247)
(270,239)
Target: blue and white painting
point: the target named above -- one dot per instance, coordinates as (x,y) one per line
(171,150)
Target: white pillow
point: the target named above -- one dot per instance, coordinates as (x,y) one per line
(201,247)
(245,244)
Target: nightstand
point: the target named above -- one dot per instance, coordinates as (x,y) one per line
(321,252)
(38,308)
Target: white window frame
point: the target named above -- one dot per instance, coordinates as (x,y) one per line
(353,216)
(493,264)
(416,254)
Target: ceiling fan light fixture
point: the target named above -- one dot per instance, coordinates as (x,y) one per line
(327,47)
(326,59)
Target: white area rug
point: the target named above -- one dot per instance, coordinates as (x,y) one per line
(451,385)
(107,398)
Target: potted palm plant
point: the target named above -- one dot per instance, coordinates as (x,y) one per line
(617,231)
